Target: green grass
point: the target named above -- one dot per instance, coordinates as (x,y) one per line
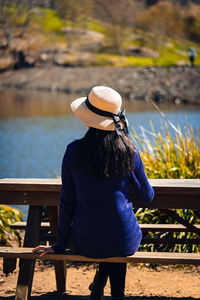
(47,20)
(116,60)
(168,53)
(169,56)
(96,26)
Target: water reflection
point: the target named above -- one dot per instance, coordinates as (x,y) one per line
(17,104)
(14,103)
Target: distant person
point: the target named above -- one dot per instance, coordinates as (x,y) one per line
(95,207)
(192,55)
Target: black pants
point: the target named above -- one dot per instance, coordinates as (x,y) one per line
(192,60)
(116,273)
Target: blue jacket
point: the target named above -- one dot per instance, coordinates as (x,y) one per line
(97,212)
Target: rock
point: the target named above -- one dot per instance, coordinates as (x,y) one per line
(2,280)
(177,101)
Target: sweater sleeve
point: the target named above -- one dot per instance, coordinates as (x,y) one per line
(66,205)
(141,186)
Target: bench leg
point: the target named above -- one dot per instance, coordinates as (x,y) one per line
(61,274)
(27,266)
(25,279)
(60,266)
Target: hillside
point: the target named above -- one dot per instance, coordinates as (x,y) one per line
(99,33)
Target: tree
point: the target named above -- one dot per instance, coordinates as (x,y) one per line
(76,13)
(164,18)
(14,19)
(159,22)
(192,22)
(118,15)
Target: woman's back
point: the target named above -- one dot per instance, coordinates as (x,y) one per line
(103,222)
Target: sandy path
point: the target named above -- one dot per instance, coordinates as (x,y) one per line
(142,283)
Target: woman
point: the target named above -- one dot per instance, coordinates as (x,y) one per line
(97,173)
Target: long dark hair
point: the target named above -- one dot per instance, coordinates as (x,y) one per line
(104,153)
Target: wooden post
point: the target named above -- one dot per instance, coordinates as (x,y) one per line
(27,266)
(59,265)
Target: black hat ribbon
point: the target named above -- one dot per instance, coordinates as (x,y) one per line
(121,116)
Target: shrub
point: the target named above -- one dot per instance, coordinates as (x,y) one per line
(192,22)
(9,215)
(170,154)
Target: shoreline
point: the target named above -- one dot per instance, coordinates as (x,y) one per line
(176,85)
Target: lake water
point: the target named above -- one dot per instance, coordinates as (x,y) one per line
(36,127)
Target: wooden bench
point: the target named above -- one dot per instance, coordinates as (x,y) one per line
(138,257)
(37,193)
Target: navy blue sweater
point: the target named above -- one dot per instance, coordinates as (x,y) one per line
(97,212)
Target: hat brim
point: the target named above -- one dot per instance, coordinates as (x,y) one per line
(90,118)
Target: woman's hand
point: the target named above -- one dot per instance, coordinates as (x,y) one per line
(45,250)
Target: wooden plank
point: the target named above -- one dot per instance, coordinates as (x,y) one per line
(138,257)
(60,265)
(31,184)
(22,225)
(171,186)
(175,183)
(29,198)
(160,201)
(145,227)
(170,241)
(27,266)
(171,201)
(165,227)
(169,193)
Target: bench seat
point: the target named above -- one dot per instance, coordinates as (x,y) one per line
(138,257)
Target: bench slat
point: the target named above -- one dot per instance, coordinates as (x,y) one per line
(138,257)
(22,225)
(144,227)
(165,227)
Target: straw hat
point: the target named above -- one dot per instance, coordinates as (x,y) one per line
(101,109)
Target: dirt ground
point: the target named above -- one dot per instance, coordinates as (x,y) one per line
(142,282)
